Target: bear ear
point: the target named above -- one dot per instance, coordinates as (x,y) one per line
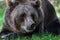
(37,4)
(9,3)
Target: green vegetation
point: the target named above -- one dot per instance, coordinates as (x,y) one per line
(34,37)
(2,8)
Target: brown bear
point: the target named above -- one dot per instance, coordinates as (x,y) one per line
(31,16)
(23,18)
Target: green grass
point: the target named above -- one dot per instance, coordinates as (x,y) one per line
(34,37)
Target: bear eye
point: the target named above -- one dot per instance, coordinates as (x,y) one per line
(22,16)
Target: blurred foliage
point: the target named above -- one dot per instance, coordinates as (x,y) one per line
(57,7)
(2,5)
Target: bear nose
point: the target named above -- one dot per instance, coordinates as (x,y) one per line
(32,26)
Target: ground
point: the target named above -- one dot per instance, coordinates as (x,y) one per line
(34,37)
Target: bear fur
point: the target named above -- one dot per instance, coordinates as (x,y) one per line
(50,22)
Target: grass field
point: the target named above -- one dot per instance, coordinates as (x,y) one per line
(34,37)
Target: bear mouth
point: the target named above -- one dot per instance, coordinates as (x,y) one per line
(28,30)
(33,28)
